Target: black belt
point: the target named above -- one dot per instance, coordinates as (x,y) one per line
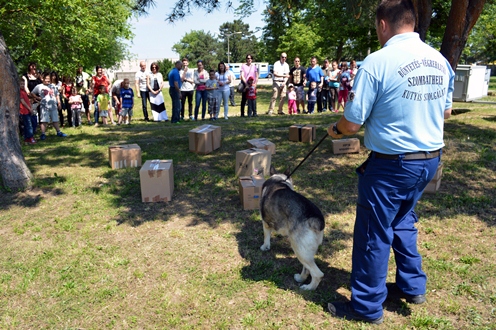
(410,155)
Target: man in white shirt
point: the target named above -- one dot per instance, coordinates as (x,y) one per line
(141,90)
(280,77)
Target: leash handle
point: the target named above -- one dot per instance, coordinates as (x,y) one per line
(322,140)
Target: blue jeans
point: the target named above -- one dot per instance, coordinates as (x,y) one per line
(388,191)
(30,124)
(145,96)
(224,95)
(176,105)
(201,96)
(97,111)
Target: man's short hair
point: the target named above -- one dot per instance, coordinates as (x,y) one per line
(398,13)
(184,59)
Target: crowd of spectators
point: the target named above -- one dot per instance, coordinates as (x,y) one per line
(64,101)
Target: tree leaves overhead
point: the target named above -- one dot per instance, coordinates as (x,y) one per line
(61,34)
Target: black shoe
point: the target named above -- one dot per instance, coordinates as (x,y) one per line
(345,311)
(255,115)
(395,293)
(146,119)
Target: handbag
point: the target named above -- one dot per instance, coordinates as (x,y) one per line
(241,87)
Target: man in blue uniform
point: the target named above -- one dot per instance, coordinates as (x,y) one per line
(402,94)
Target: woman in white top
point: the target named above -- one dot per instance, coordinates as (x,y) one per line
(155,83)
(223,79)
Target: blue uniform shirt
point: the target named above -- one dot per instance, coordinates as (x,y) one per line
(400,94)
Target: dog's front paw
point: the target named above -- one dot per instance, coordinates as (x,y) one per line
(265,247)
(307,287)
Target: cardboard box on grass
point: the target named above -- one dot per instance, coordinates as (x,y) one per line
(250,191)
(125,155)
(435,183)
(345,146)
(157,181)
(252,161)
(302,133)
(262,143)
(204,139)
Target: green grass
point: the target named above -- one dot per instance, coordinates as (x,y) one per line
(80,250)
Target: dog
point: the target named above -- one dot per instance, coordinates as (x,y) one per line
(290,214)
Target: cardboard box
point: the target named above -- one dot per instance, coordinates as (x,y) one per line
(252,162)
(435,183)
(433,186)
(205,139)
(302,133)
(157,181)
(345,146)
(126,155)
(439,172)
(250,191)
(262,143)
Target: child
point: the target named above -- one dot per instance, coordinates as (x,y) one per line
(251,97)
(344,85)
(291,99)
(212,97)
(30,121)
(103,103)
(49,104)
(312,97)
(75,103)
(127,102)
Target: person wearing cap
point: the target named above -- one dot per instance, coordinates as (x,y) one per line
(251,97)
(402,94)
(280,77)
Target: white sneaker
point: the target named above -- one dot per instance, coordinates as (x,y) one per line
(226,118)
(127,122)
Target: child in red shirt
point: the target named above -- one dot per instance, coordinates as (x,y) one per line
(29,120)
(251,96)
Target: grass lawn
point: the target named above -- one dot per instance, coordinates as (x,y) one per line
(81,251)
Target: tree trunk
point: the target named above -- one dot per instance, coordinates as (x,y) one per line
(462,18)
(424,14)
(13,169)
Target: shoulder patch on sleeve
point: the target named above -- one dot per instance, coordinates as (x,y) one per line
(351,95)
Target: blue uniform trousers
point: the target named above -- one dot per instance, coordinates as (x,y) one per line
(388,191)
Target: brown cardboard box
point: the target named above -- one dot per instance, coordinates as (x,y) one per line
(302,133)
(435,183)
(157,181)
(345,146)
(262,143)
(204,139)
(125,155)
(250,191)
(252,161)
(439,172)
(433,186)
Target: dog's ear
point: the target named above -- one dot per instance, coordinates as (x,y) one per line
(288,171)
(272,170)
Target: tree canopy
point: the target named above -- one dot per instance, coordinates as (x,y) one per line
(61,34)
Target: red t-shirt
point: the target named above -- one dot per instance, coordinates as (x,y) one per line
(67,90)
(100,81)
(23,109)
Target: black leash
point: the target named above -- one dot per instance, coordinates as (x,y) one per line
(307,156)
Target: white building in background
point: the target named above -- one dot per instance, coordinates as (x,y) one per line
(128,68)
